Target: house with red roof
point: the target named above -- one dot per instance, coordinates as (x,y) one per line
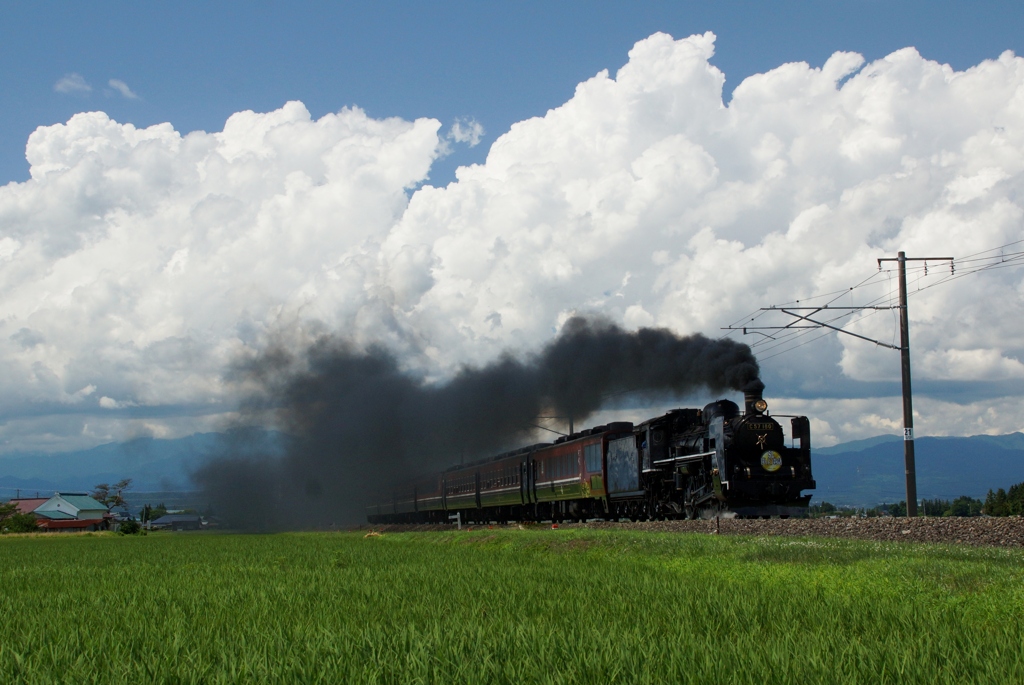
(27,505)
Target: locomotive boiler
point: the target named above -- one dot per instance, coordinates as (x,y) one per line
(687,463)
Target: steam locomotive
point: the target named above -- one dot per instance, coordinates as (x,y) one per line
(687,463)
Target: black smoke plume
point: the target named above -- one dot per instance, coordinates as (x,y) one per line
(356,425)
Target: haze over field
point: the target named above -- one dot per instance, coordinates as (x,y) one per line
(141,264)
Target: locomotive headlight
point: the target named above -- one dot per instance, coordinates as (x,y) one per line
(760,406)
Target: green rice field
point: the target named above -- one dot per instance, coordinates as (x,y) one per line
(506,606)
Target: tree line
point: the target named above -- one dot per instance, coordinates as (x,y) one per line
(997,503)
(1006,502)
(961,506)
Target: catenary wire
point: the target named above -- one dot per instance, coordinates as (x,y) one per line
(998,261)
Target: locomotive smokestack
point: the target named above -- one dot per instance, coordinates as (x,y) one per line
(753,401)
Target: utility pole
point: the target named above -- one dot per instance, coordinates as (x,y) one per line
(804,321)
(908,408)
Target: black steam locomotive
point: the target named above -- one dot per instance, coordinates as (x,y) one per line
(686,464)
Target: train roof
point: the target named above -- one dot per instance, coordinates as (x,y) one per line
(613,427)
(499,457)
(681,411)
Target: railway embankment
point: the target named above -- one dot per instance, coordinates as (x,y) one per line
(978,531)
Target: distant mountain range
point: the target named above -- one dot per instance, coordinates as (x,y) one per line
(867,472)
(152,464)
(862,472)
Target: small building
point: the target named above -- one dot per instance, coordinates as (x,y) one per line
(179,522)
(79,505)
(72,511)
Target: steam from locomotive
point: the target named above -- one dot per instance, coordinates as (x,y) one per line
(356,423)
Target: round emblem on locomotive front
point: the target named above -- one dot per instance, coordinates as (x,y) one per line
(771,460)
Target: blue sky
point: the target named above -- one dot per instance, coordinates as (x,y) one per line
(143,260)
(195,63)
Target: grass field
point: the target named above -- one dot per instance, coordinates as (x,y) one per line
(506,606)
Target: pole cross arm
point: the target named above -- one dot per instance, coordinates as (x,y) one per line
(903,260)
(916,259)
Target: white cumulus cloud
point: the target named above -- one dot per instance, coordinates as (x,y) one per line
(145,260)
(122,88)
(468,131)
(72,83)
(141,262)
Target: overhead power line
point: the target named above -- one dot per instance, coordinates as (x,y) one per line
(808,316)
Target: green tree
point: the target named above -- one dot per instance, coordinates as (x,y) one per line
(129,527)
(934,507)
(11,521)
(995,503)
(112,495)
(822,509)
(964,506)
(898,509)
(20,523)
(1015,500)
(1005,502)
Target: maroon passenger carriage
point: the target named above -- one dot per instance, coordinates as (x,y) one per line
(684,464)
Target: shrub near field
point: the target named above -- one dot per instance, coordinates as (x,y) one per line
(506,606)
